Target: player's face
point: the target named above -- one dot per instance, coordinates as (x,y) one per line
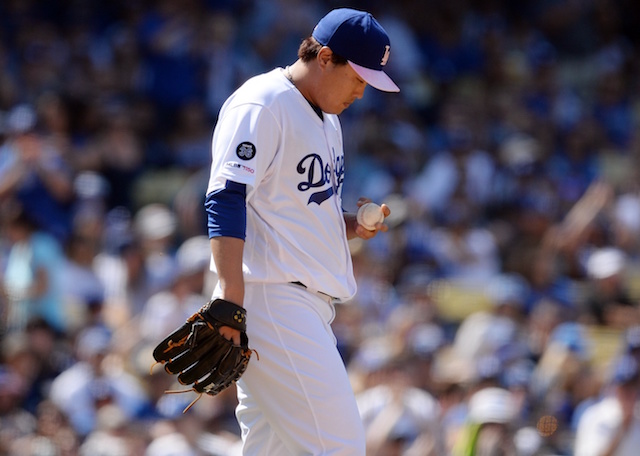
(341,86)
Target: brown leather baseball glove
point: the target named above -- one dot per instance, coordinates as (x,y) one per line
(200,355)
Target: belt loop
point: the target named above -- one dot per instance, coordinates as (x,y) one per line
(300,284)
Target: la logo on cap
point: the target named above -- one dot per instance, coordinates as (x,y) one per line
(385,57)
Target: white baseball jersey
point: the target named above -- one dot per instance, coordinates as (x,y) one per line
(292,162)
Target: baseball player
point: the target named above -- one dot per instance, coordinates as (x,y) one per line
(279,235)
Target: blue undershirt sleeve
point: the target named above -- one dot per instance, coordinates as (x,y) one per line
(227,211)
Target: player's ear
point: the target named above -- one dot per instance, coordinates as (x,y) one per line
(324,56)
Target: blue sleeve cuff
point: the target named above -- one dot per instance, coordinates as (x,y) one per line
(227,211)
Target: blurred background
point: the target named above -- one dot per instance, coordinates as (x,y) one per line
(506,290)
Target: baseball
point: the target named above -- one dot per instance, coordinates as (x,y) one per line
(369,214)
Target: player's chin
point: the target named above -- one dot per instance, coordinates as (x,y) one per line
(339,108)
(336,111)
(347,104)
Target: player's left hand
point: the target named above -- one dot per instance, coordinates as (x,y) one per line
(231,334)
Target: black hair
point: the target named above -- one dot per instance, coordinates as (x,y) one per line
(309,49)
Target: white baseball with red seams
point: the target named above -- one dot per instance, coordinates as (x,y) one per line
(369,214)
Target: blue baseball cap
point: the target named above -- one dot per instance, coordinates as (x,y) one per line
(359,38)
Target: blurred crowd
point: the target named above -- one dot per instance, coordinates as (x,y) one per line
(498,316)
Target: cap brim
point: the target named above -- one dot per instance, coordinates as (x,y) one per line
(376,79)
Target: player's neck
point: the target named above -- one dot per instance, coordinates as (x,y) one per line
(298,74)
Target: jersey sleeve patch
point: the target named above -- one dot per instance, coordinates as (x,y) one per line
(245,150)
(240,167)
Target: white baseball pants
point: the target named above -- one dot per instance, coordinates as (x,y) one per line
(296,399)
